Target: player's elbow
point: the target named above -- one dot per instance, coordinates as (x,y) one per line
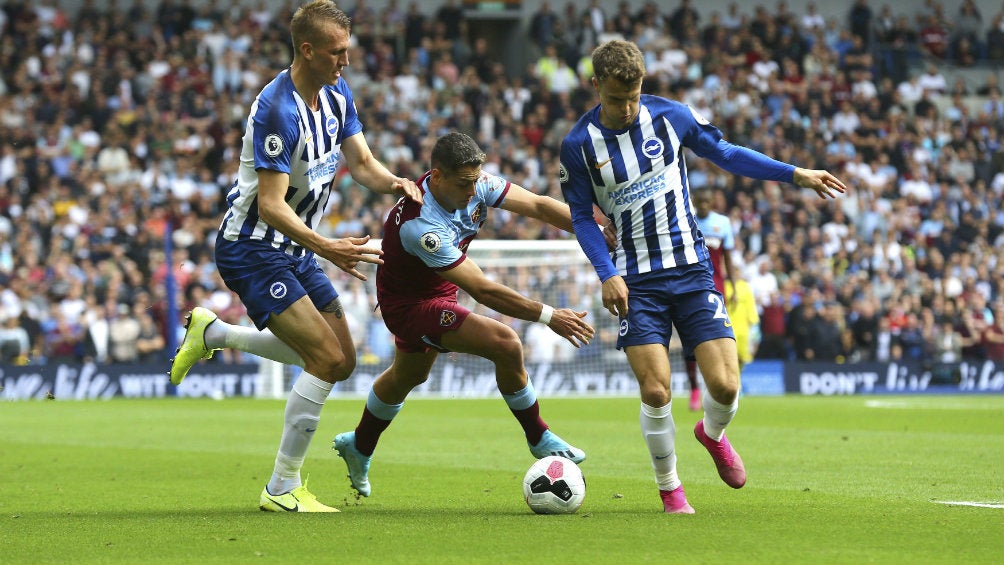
(266,212)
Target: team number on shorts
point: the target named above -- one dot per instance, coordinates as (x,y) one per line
(720,313)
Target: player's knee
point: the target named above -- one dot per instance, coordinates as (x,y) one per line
(724,392)
(505,346)
(731,393)
(654,393)
(333,366)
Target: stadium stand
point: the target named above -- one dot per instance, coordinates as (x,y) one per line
(120,128)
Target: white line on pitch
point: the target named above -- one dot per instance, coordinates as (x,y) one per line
(970,503)
(939,404)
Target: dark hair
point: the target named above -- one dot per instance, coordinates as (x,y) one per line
(618,59)
(309,21)
(455,150)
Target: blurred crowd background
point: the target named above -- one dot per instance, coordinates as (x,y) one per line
(120,127)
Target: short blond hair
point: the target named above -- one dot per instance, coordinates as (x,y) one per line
(619,59)
(309,22)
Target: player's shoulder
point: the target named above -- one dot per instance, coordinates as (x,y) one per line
(419,218)
(672,109)
(658,104)
(578,136)
(340,87)
(425,232)
(489,179)
(276,97)
(719,217)
(488,185)
(580,131)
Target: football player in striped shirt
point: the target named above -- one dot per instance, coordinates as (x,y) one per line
(626,156)
(301,128)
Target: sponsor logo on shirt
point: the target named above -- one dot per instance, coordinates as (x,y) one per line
(636,191)
(324,168)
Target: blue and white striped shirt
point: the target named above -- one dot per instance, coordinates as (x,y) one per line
(638,178)
(283,134)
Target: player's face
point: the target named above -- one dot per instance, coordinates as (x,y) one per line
(618,102)
(454,190)
(330,55)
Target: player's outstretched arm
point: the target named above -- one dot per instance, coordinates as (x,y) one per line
(825,184)
(571,325)
(276,212)
(348,252)
(562,321)
(371,173)
(544,208)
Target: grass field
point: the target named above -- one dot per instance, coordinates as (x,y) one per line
(831,480)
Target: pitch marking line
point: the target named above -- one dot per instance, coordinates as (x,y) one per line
(939,404)
(970,503)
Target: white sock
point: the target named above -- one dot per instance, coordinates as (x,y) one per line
(220,334)
(303,412)
(717,416)
(659,431)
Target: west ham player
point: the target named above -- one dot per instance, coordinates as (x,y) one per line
(718,238)
(626,156)
(300,128)
(425,263)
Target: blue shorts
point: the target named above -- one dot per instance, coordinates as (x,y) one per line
(268,280)
(681,296)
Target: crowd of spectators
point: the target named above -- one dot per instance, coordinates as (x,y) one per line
(120,128)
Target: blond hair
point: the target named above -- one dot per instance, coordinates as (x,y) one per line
(309,22)
(618,59)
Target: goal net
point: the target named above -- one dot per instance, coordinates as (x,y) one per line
(555,272)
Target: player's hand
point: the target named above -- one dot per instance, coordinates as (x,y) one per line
(615,296)
(347,253)
(610,235)
(570,325)
(825,184)
(408,188)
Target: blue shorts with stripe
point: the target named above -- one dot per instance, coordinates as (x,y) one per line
(268,280)
(681,296)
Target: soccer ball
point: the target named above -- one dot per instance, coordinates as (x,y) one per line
(554,485)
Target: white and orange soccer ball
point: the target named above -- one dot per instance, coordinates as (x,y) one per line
(554,485)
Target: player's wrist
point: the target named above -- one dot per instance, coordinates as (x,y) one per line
(798,176)
(545,314)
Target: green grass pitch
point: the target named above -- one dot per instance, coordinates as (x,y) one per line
(831,480)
